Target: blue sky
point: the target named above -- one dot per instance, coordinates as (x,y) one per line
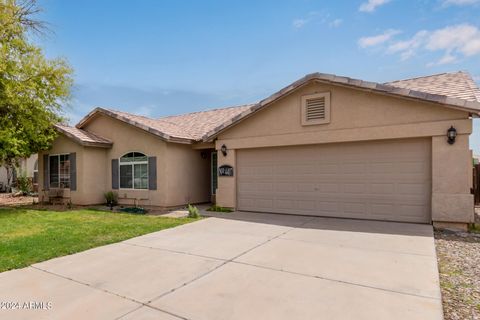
(159,57)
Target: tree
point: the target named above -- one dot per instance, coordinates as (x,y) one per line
(32,87)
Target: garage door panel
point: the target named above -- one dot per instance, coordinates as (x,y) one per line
(387,180)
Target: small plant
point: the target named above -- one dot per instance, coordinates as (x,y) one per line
(24,184)
(69,204)
(216,208)
(111,198)
(193,212)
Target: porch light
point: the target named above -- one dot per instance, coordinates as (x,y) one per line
(451,135)
(224,150)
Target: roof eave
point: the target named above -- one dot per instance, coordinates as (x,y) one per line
(84,143)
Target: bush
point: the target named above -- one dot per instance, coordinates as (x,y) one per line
(193,212)
(134,210)
(111,198)
(24,184)
(216,208)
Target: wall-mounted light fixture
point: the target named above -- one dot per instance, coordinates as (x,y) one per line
(203,154)
(224,150)
(451,135)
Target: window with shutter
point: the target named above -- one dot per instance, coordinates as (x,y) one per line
(316,109)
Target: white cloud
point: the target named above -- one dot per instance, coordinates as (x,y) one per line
(371,5)
(446,59)
(453,42)
(335,23)
(460,2)
(365,42)
(299,23)
(462,38)
(408,47)
(312,17)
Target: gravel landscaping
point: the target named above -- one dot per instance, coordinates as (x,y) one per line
(459,266)
(7,199)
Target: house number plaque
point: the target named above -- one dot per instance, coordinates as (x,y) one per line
(225,171)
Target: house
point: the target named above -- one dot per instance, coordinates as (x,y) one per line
(27,166)
(324,145)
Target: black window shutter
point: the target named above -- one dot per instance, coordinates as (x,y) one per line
(73,171)
(46,174)
(114,174)
(152,173)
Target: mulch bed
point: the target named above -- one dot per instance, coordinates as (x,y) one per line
(459,266)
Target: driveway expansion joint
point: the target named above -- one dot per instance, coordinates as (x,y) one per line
(172,251)
(230,260)
(335,280)
(141,304)
(360,248)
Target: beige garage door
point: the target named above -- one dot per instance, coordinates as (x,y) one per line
(381,180)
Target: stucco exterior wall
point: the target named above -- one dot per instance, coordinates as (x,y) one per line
(126,139)
(63,145)
(3,175)
(452,200)
(26,166)
(183,176)
(188,178)
(362,116)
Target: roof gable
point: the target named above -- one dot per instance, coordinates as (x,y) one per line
(185,128)
(83,137)
(471,106)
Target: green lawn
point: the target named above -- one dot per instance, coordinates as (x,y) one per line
(30,236)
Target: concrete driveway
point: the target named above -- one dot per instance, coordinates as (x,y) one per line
(246,266)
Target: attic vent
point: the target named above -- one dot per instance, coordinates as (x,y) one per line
(316,109)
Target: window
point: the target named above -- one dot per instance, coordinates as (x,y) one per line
(316,109)
(35,172)
(134,171)
(59,170)
(214,182)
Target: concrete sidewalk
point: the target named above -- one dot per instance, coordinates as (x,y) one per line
(241,266)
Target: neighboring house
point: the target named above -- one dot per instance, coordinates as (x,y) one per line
(324,145)
(28,166)
(476,159)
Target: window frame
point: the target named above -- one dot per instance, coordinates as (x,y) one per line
(132,164)
(214,172)
(327,96)
(35,171)
(50,171)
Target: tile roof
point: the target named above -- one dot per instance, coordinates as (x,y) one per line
(186,128)
(455,90)
(83,137)
(457,85)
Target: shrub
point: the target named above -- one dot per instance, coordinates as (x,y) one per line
(193,212)
(111,198)
(24,184)
(134,210)
(216,208)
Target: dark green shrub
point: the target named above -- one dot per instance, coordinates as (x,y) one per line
(111,198)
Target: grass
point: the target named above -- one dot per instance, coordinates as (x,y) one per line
(475,228)
(29,236)
(216,208)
